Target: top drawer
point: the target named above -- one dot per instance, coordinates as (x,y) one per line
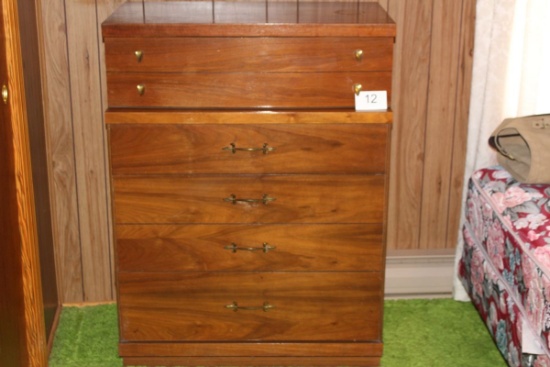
(243,55)
(245,72)
(249,54)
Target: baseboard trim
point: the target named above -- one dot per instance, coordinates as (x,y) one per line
(425,276)
(88,304)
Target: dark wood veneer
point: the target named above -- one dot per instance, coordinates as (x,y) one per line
(309,261)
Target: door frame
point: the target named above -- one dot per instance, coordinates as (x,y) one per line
(32,345)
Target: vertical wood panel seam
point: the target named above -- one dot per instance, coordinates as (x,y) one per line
(467,25)
(88,132)
(421,209)
(441,122)
(78,219)
(47,134)
(395,10)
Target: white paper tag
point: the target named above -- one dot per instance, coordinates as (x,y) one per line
(371,100)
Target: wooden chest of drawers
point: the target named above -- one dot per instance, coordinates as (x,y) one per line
(249,198)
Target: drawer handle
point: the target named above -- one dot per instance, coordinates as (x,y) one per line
(235,307)
(233,148)
(266,247)
(234,200)
(5,94)
(139,55)
(357,88)
(358,54)
(140,89)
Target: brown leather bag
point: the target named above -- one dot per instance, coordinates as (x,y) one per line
(523,144)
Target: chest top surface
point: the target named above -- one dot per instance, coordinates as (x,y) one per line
(260,18)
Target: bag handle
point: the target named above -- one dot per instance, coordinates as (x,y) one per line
(497,146)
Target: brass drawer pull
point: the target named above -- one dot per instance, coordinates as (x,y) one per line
(140,89)
(357,88)
(139,55)
(235,307)
(266,247)
(234,200)
(233,149)
(5,94)
(358,54)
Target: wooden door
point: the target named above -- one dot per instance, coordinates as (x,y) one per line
(22,326)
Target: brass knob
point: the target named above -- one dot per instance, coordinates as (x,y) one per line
(358,55)
(5,93)
(139,55)
(141,89)
(357,88)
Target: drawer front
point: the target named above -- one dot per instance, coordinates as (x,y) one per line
(242,90)
(327,247)
(173,149)
(203,306)
(250,54)
(227,199)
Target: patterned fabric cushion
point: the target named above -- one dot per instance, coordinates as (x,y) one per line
(505,265)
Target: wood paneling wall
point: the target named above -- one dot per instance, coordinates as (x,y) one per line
(433,57)
(433,66)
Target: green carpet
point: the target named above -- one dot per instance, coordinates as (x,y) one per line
(417,333)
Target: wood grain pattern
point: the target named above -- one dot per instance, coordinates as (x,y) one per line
(232,117)
(172,288)
(460,133)
(240,90)
(329,247)
(237,18)
(256,361)
(172,149)
(422,204)
(246,54)
(12,333)
(60,147)
(410,116)
(23,334)
(89,145)
(104,9)
(441,106)
(281,350)
(306,306)
(414,40)
(202,199)
(33,55)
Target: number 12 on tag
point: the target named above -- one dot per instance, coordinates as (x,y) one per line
(371,101)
